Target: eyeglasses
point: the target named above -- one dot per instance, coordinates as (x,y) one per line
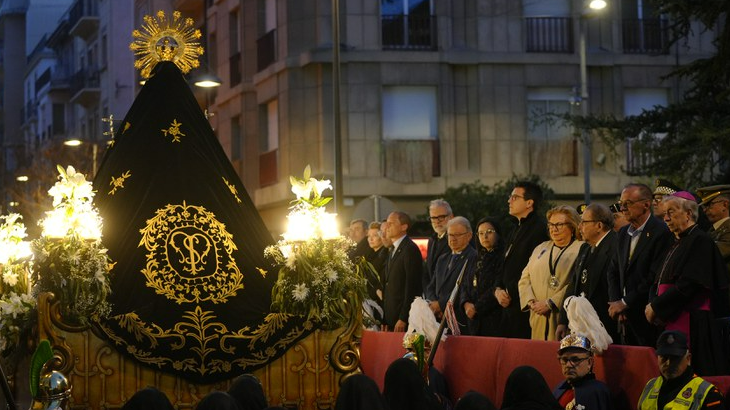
(485,233)
(587,222)
(439,218)
(457,235)
(627,203)
(573,360)
(557,225)
(514,197)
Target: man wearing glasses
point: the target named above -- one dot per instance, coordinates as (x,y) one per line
(589,270)
(448,268)
(716,204)
(639,245)
(580,390)
(523,203)
(439,213)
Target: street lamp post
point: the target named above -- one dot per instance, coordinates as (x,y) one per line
(587,156)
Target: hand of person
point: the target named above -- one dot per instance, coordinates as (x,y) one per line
(502,297)
(651,316)
(384,328)
(561,331)
(540,307)
(400,326)
(616,307)
(470,310)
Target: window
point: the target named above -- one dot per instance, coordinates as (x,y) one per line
(552,150)
(635,101)
(642,31)
(410,133)
(268,142)
(236,137)
(59,119)
(408,24)
(409,113)
(548,27)
(540,104)
(266,43)
(234,47)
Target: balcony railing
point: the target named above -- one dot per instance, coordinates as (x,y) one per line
(409,32)
(266,50)
(645,36)
(235,68)
(549,34)
(84,86)
(83,18)
(637,160)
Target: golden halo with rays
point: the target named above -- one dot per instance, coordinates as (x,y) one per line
(161,39)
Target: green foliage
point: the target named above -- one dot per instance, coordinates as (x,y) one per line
(42,354)
(476,200)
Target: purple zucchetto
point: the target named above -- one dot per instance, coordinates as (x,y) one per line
(684,195)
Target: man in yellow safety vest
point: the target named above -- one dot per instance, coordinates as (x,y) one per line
(678,387)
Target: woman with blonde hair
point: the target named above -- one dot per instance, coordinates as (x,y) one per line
(546,276)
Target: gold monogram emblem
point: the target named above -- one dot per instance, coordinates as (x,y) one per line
(190,256)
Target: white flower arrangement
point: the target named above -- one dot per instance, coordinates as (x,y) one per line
(70,260)
(316,276)
(16,301)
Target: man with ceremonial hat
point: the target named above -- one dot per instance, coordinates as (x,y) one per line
(580,390)
(677,387)
(663,188)
(716,204)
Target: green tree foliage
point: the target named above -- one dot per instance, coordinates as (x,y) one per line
(689,140)
(476,200)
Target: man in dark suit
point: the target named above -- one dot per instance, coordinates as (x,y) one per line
(448,268)
(524,201)
(439,213)
(640,245)
(591,267)
(402,282)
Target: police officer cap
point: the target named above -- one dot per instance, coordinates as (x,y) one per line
(671,343)
(665,187)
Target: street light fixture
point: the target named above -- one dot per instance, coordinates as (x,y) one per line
(22,178)
(208,80)
(587,156)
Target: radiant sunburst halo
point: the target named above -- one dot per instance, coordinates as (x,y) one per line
(163,40)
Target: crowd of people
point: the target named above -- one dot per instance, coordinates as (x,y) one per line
(655,261)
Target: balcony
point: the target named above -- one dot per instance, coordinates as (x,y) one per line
(549,34)
(29,112)
(83,18)
(409,32)
(266,50)
(645,36)
(84,87)
(60,79)
(638,157)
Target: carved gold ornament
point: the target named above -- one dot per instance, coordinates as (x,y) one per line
(163,40)
(190,255)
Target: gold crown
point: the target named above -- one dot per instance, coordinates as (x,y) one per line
(576,341)
(163,40)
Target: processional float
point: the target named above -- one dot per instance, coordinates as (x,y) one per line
(188,266)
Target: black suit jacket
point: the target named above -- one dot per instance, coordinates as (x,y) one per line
(630,280)
(590,276)
(402,282)
(446,274)
(531,232)
(436,248)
